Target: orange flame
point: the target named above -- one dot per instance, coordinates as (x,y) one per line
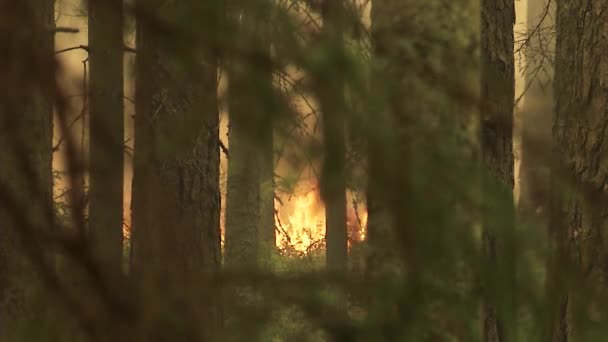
(305,224)
(301,222)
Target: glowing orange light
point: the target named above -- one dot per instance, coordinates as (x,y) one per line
(301,222)
(305,225)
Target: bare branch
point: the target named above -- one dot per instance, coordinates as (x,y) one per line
(60,29)
(83,47)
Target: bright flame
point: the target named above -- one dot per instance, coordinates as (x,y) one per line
(304,228)
(300,221)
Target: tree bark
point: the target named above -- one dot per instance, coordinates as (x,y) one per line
(26,108)
(580,190)
(497,95)
(251,102)
(267,234)
(175,208)
(106,131)
(266,229)
(333,177)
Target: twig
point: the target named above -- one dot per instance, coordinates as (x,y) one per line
(538,25)
(87,49)
(223,148)
(61,29)
(83,47)
(129,49)
(280,227)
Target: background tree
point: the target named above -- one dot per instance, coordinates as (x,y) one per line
(497,94)
(332,102)
(266,229)
(106,130)
(250,102)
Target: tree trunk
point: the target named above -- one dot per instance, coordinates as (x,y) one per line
(26,107)
(106,131)
(333,177)
(176,232)
(267,227)
(579,202)
(251,102)
(497,95)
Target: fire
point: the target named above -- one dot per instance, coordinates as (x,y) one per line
(300,221)
(356,219)
(304,228)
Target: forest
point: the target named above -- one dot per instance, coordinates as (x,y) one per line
(303,170)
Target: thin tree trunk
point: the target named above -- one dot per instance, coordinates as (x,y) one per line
(333,179)
(106,130)
(498,87)
(251,103)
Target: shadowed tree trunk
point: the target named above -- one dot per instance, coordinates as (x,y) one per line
(26,104)
(250,101)
(333,177)
(498,87)
(580,192)
(176,236)
(266,229)
(106,130)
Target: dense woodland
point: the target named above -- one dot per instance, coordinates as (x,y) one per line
(303,170)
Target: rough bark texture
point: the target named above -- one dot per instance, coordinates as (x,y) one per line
(176,233)
(26,88)
(537,113)
(580,202)
(250,97)
(267,225)
(333,177)
(106,130)
(498,87)
(266,229)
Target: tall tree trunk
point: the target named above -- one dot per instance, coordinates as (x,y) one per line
(26,104)
(498,88)
(266,229)
(175,208)
(250,101)
(580,197)
(106,130)
(333,186)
